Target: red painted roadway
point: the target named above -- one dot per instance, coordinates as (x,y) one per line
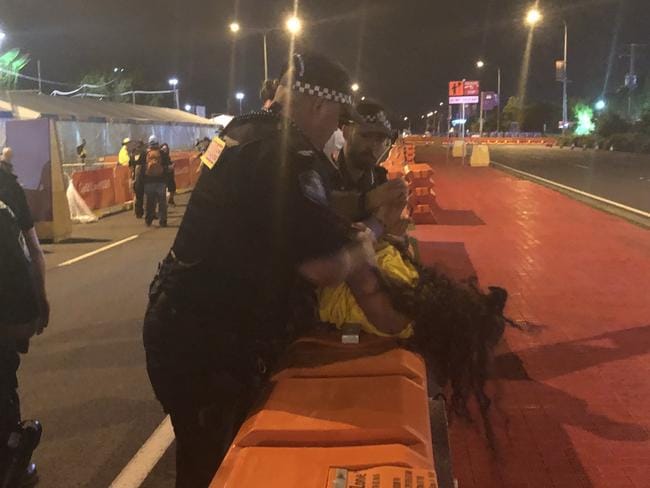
(572,403)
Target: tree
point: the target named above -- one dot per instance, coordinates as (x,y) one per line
(512,113)
(112,85)
(610,123)
(11,63)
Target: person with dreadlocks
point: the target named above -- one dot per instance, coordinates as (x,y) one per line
(453,325)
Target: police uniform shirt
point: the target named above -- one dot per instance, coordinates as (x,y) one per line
(253,218)
(13,195)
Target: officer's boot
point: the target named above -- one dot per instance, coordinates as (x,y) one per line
(20,471)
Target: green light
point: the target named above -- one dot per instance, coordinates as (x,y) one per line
(11,63)
(585,118)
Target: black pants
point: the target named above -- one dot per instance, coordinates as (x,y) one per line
(9,402)
(138,196)
(207,403)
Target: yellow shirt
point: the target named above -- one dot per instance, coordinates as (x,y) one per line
(123,156)
(338,306)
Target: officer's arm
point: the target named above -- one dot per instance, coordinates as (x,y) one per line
(38,260)
(375,303)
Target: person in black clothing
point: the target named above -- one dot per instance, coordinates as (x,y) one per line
(14,332)
(361,186)
(155,177)
(136,163)
(171,180)
(258,228)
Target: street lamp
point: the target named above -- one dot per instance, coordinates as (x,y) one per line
(173,82)
(240,96)
(355,87)
(533,17)
(600,105)
(235,27)
(480,64)
(188,107)
(294,25)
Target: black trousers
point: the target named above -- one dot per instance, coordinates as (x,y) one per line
(138,196)
(9,402)
(206,401)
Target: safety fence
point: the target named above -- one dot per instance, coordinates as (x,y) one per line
(106,184)
(448,141)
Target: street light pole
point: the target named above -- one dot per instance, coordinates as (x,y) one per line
(565,107)
(498,100)
(266,59)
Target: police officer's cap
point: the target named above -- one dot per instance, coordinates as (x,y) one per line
(316,75)
(375,118)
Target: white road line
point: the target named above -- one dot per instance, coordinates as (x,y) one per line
(97,251)
(146,458)
(581,166)
(575,190)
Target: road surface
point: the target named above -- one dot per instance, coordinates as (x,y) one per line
(85,377)
(619,177)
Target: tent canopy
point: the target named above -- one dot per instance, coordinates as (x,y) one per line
(31,105)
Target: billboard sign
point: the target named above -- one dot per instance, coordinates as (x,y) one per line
(464,92)
(471,88)
(490,101)
(463,100)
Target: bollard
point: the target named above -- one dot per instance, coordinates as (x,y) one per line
(459,149)
(480,156)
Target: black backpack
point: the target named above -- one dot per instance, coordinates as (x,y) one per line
(18,298)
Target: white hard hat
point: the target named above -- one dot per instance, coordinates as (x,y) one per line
(153,140)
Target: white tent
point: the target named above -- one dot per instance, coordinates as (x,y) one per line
(104,124)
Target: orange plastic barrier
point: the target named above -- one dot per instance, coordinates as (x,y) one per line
(182,173)
(195,170)
(122,177)
(308,467)
(96,187)
(422,200)
(328,414)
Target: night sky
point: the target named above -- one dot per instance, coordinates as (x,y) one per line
(401,51)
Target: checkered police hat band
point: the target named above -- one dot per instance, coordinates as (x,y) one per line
(319,91)
(379,118)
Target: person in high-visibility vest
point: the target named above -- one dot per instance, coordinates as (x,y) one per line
(124,156)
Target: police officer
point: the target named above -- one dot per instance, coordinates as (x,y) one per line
(361,186)
(258,225)
(24,311)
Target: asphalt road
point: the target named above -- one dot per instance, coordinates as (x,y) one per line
(85,377)
(619,177)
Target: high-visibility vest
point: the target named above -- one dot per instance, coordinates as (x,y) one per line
(123,157)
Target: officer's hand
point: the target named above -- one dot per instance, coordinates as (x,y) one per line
(44,317)
(364,253)
(392,192)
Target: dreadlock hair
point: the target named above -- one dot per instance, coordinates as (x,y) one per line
(456,327)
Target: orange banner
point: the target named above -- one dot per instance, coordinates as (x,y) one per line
(96,187)
(182,173)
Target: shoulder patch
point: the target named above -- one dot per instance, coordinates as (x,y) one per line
(312,187)
(212,153)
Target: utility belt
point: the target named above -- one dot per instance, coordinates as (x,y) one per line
(178,294)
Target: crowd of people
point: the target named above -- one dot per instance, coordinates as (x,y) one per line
(293,225)
(152,177)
